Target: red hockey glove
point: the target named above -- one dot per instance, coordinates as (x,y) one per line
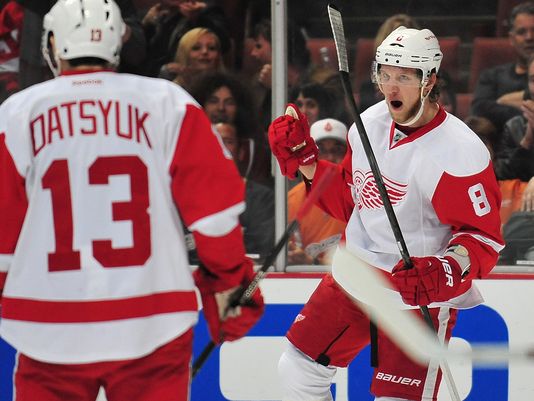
(228,324)
(291,143)
(431,279)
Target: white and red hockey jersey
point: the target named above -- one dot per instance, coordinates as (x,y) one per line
(441,185)
(94,167)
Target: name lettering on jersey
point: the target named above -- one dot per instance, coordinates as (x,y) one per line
(88,118)
(87,82)
(407,381)
(366,195)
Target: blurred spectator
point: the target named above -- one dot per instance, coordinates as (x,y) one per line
(499,92)
(485,130)
(11,17)
(298,54)
(447,97)
(258,218)
(515,153)
(297,63)
(167,21)
(316,102)
(318,233)
(198,51)
(32,65)
(369,93)
(518,235)
(226,99)
(514,166)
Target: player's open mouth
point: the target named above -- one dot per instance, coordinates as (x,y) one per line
(396,104)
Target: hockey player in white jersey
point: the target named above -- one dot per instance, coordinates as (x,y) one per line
(440,181)
(96,169)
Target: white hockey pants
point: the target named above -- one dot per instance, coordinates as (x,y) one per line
(303,379)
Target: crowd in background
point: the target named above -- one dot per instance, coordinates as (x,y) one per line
(227,68)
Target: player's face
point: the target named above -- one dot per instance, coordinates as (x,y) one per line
(522,36)
(261,50)
(205,54)
(309,107)
(221,106)
(402,90)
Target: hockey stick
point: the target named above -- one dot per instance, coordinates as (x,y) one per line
(336,23)
(410,333)
(242,296)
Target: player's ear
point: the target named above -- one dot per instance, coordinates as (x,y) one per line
(51,44)
(431,82)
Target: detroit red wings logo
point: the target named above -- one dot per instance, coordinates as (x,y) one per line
(366,194)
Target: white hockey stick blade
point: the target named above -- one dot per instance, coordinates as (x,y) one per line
(410,333)
(336,22)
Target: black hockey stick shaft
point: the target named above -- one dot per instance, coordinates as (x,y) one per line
(339,40)
(241,296)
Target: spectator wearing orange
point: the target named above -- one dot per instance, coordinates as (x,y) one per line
(318,233)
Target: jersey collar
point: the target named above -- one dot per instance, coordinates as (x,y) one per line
(398,138)
(85,71)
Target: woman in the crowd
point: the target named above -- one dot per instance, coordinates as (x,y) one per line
(199,51)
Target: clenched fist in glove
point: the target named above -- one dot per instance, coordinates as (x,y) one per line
(290,141)
(431,279)
(225,323)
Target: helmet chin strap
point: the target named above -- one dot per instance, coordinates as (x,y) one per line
(421,108)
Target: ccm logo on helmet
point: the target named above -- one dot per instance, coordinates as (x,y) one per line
(407,381)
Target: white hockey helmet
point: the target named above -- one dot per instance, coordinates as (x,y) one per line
(83,28)
(411,48)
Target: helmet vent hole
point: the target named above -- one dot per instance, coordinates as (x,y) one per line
(107,15)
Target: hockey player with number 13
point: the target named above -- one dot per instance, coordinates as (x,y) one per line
(440,180)
(96,169)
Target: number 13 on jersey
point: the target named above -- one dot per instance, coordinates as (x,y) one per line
(57,180)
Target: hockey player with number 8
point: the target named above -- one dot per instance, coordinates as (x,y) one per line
(97,172)
(440,181)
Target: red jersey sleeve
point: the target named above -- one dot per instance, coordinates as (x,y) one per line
(209,194)
(336,199)
(13,205)
(470,205)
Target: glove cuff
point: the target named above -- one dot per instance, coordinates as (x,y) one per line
(460,255)
(453,263)
(209,283)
